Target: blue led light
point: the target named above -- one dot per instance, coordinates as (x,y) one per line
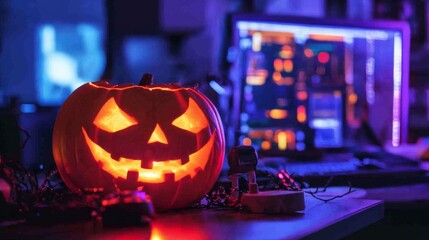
(299,136)
(300,146)
(28,108)
(217,88)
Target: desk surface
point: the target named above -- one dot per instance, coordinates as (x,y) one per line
(331,220)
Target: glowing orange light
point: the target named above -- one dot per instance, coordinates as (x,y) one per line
(276,134)
(256,134)
(120,168)
(256,77)
(256,41)
(96,152)
(323,57)
(111,118)
(255,80)
(302,95)
(282,80)
(247,141)
(301,114)
(286,48)
(322,37)
(286,52)
(352,98)
(160,231)
(129,86)
(278,113)
(193,120)
(156,234)
(290,139)
(274,36)
(158,136)
(282,140)
(266,145)
(288,65)
(308,53)
(277,76)
(278,65)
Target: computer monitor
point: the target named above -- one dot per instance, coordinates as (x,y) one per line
(305,83)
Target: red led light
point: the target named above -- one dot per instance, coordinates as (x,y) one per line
(323,57)
(301,115)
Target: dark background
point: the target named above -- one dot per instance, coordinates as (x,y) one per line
(183,41)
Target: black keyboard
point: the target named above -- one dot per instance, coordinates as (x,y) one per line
(360,170)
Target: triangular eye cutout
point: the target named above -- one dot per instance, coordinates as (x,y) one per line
(111,118)
(158,136)
(193,120)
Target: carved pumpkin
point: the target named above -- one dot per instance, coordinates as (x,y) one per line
(165,138)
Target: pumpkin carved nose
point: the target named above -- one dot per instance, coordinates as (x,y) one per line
(158,136)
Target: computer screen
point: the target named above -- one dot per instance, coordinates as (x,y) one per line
(68,55)
(304,83)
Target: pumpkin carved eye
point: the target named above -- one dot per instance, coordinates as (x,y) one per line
(193,120)
(111,118)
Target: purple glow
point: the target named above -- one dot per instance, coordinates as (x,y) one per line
(397,73)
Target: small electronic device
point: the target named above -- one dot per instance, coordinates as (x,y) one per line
(242,159)
(127,208)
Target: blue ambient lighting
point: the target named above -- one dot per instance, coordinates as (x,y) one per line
(28,108)
(69,56)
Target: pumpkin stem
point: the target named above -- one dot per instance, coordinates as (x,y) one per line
(147,79)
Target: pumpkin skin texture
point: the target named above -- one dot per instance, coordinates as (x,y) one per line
(164,138)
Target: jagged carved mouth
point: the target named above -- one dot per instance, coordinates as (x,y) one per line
(160,169)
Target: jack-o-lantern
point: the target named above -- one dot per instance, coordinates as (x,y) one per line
(164,138)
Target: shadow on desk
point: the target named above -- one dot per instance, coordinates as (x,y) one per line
(332,220)
(406,213)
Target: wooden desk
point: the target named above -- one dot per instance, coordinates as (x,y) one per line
(332,220)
